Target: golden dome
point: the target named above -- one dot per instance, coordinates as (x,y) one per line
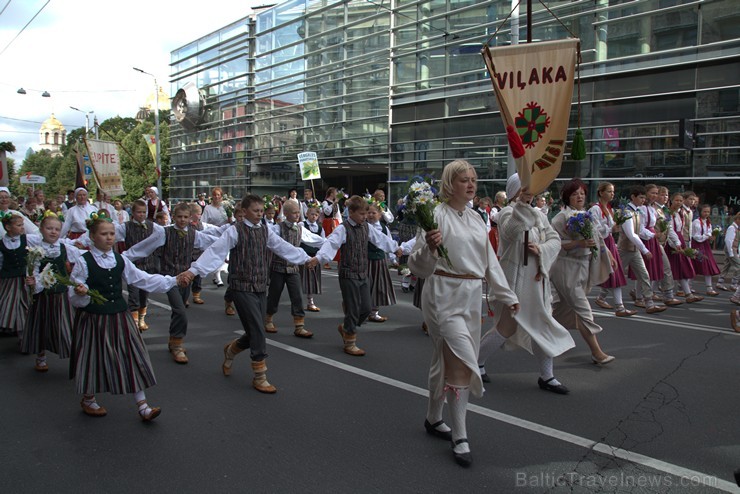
(52,124)
(164,100)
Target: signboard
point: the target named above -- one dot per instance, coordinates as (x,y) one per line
(106,165)
(32,179)
(309,164)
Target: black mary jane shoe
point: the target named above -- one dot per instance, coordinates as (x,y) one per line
(432,429)
(555,388)
(462,459)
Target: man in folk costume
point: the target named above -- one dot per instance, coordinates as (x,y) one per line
(731,269)
(74,219)
(632,250)
(154,204)
(666,236)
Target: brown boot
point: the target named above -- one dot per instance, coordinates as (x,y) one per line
(135,316)
(143,326)
(230,351)
(196,298)
(260,378)
(300,330)
(350,341)
(230,311)
(269,326)
(177,350)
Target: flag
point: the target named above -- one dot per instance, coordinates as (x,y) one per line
(106,165)
(80,174)
(151,142)
(533,83)
(309,165)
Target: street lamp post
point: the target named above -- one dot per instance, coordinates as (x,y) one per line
(156,129)
(87,120)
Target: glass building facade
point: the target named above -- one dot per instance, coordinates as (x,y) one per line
(385,90)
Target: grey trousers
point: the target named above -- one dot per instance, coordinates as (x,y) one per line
(635,261)
(137,298)
(357,302)
(179,318)
(250,306)
(666,283)
(293,282)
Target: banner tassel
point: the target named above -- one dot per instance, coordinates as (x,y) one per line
(578,148)
(515,142)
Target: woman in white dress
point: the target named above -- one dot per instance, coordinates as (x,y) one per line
(577,270)
(214,213)
(451,302)
(527,269)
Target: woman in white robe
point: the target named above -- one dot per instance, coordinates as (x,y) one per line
(534,329)
(451,302)
(577,270)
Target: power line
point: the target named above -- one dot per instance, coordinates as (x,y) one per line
(6,6)
(24,27)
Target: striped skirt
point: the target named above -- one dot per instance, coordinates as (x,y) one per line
(381,289)
(311,280)
(406,231)
(417,292)
(49,325)
(681,266)
(109,355)
(707,266)
(14,301)
(616,279)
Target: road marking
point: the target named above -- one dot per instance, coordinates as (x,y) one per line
(676,470)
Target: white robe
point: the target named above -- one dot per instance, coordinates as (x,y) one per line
(534,321)
(452,306)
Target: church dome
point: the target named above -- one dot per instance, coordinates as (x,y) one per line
(52,124)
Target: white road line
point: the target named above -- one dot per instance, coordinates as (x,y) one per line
(605,449)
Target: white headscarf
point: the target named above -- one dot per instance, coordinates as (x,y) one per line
(513,186)
(5,189)
(155,190)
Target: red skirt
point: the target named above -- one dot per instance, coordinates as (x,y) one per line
(616,279)
(681,266)
(329,224)
(654,266)
(493,237)
(707,265)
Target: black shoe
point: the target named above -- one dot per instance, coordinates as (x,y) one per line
(219,284)
(485,378)
(558,389)
(462,459)
(432,429)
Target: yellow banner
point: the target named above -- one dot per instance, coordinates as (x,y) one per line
(533,83)
(151,142)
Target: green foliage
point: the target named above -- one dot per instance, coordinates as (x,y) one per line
(8,147)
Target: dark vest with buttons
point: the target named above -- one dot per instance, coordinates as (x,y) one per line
(353,259)
(108,282)
(375,253)
(14,260)
(59,265)
(293,237)
(311,251)
(135,233)
(248,261)
(177,251)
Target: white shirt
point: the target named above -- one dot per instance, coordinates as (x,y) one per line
(104,205)
(700,231)
(730,235)
(628,230)
(119,216)
(307,237)
(131,275)
(29,225)
(603,222)
(74,219)
(157,239)
(646,222)
(214,215)
(327,208)
(122,228)
(338,237)
(53,251)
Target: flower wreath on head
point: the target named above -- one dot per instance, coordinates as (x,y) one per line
(102,215)
(8,213)
(269,202)
(50,214)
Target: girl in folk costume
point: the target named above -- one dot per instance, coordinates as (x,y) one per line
(667,237)
(155,205)
(731,268)
(681,265)
(108,353)
(381,288)
(311,277)
(701,233)
(603,218)
(13,291)
(648,216)
(386,215)
(582,263)
(451,302)
(74,219)
(331,215)
(28,225)
(49,323)
(527,268)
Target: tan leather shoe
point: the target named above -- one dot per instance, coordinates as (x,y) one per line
(177,350)
(654,309)
(197,299)
(230,310)
(622,312)
(269,325)
(260,382)
(672,302)
(231,350)
(603,304)
(93,412)
(694,298)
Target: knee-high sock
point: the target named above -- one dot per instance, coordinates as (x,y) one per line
(545,362)
(139,396)
(434,411)
(489,344)
(685,286)
(617,294)
(457,399)
(708,282)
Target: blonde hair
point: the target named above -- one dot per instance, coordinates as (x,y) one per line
(450,173)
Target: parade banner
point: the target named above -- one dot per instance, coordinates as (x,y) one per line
(151,142)
(309,165)
(106,165)
(533,83)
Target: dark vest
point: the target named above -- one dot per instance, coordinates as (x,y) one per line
(59,265)
(311,251)
(353,259)
(152,210)
(135,233)
(293,237)
(14,260)
(177,251)
(248,261)
(108,282)
(197,252)
(375,253)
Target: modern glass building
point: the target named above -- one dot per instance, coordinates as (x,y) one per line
(384,90)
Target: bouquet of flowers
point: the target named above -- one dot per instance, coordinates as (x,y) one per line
(50,278)
(341,195)
(229,204)
(580,223)
(33,258)
(269,202)
(716,231)
(404,270)
(690,253)
(420,205)
(313,203)
(621,214)
(661,225)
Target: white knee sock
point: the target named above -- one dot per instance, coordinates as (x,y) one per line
(617,294)
(546,364)
(434,412)
(708,282)
(457,399)
(685,287)
(489,344)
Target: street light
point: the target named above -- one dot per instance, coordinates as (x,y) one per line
(156,128)
(45,94)
(87,120)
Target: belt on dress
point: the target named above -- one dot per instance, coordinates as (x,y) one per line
(439,272)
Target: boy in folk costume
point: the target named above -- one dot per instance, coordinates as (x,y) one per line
(669,236)
(311,278)
(131,233)
(284,273)
(351,239)
(197,223)
(632,251)
(731,269)
(178,242)
(647,233)
(248,243)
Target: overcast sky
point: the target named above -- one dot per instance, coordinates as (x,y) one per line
(82,52)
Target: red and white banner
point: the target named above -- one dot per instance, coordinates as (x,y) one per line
(106,165)
(533,83)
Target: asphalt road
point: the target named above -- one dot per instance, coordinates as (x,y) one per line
(663,417)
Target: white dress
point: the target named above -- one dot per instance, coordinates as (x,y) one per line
(534,322)
(214,215)
(452,306)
